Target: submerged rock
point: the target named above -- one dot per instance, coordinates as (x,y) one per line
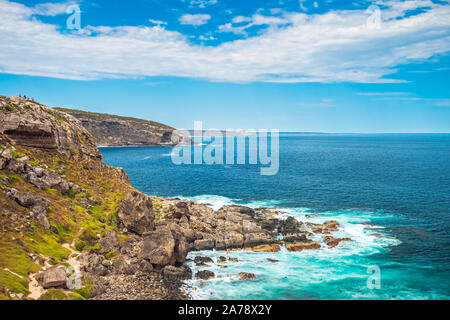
(246,276)
(205,275)
(267,248)
(333,242)
(299,246)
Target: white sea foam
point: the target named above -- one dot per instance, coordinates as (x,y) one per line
(295,272)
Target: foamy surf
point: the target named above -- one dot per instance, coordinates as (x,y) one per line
(296,274)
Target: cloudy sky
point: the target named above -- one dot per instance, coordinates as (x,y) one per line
(296,65)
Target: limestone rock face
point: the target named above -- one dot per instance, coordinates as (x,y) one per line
(30,124)
(136,213)
(53,277)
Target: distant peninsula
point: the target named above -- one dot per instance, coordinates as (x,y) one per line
(113,130)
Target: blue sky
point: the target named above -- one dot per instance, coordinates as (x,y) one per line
(326,65)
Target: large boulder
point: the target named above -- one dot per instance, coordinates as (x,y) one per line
(136,213)
(159,246)
(37,204)
(53,277)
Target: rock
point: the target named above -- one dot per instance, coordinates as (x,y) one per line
(202,260)
(290,226)
(267,248)
(181,209)
(255,239)
(221,260)
(43,221)
(53,277)
(136,213)
(272,260)
(246,276)
(159,247)
(299,246)
(333,242)
(145,266)
(177,273)
(229,241)
(5,157)
(234,260)
(109,242)
(122,174)
(122,266)
(295,237)
(204,244)
(325,228)
(205,275)
(93,263)
(48,179)
(37,204)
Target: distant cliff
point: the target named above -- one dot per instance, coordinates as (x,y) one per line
(112,130)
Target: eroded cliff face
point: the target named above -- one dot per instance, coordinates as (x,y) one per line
(112,130)
(30,124)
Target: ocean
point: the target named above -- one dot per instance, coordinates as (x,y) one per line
(397,183)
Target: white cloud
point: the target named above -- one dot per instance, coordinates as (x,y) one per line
(52,9)
(331,47)
(157,22)
(195,19)
(202,3)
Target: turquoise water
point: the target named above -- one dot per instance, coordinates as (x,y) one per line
(399,184)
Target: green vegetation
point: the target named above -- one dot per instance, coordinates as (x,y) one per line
(46,243)
(13,283)
(57,294)
(14,257)
(88,289)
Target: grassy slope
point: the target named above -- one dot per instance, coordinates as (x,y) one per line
(73,222)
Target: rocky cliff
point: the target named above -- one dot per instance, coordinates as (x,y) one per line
(112,130)
(72,227)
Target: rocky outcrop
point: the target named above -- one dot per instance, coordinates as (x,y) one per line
(111,130)
(136,213)
(246,276)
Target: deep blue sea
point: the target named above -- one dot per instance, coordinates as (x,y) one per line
(399,183)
